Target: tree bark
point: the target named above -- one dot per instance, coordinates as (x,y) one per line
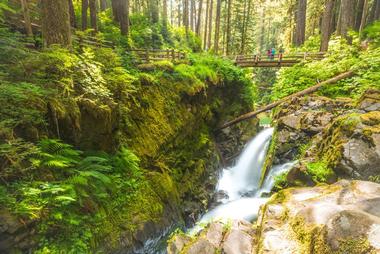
(124,17)
(301,22)
(26,14)
(309,90)
(358,13)
(377,10)
(93,15)
(245,28)
(115,10)
(199,19)
(347,16)
(103,5)
(210,25)
(228,35)
(326,25)
(56,22)
(164,12)
(364,16)
(186,16)
(84,14)
(192,9)
(73,21)
(206,24)
(217,26)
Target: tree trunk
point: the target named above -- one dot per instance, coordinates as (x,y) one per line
(377,10)
(306,91)
(124,17)
(245,28)
(228,35)
(358,14)
(56,22)
(103,5)
(210,25)
(26,14)
(301,22)
(73,21)
(192,15)
(84,14)
(217,26)
(179,13)
(364,16)
(206,24)
(347,16)
(93,15)
(164,12)
(186,16)
(199,19)
(115,10)
(153,11)
(326,25)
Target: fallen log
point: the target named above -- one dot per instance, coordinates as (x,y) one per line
(309,90)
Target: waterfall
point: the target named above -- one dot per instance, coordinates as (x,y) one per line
(240,184)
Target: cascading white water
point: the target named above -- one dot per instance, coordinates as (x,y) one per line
(240,183)
(244,177)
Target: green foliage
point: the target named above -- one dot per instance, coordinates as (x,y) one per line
(71,190)
(281,181)
(319,171)
(372,32)
(341,57)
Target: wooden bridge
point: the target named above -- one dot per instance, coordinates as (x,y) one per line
(277,60)
(152,55)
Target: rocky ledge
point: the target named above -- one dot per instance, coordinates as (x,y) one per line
(340,218)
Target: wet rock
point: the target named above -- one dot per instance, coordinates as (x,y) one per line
(342,218)
(237,242)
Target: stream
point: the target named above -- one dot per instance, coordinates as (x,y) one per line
(238,187)
(238,191)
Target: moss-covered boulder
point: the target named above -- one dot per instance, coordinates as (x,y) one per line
(339,218)
(300,120)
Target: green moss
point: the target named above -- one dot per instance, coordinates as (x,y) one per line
(355,246)
(319,171)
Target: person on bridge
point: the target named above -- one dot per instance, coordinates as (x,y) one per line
(269,53)
(273,53)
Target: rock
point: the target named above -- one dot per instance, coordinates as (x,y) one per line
(339,218)
(177,243)
(301,120)
(370,101)
(14,234)
(201,246)
(214,233)
(237,242)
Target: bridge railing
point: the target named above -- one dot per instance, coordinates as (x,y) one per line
(152,55)
(293,57)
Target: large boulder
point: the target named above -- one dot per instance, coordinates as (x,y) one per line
(236,237)
(300,120)
(339,218)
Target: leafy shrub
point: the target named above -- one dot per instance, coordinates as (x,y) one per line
(319,171)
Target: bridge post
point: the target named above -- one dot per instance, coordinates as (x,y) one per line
(147,55)
(173,55)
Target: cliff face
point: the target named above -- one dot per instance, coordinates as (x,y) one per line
(167,119)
